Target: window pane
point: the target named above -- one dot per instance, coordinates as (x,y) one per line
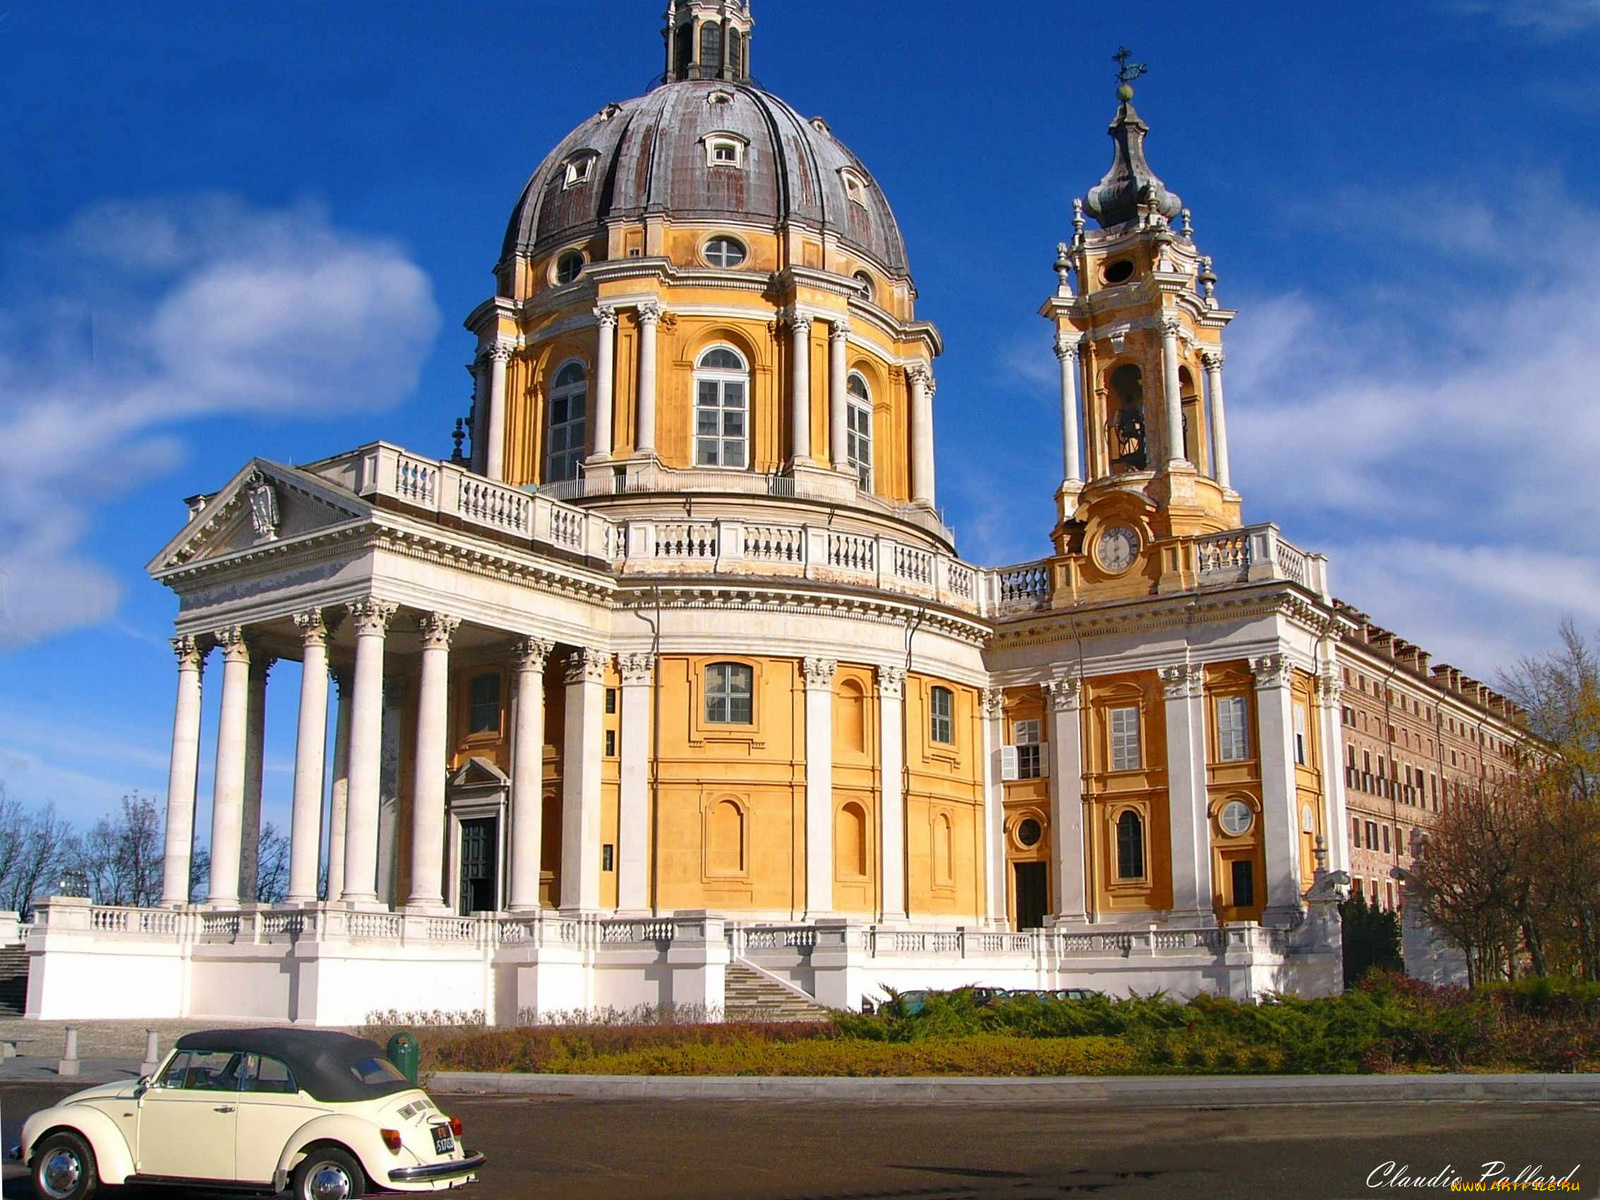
(1125,752)
(706,422)
(732,422)
(484,705)
(1130,846)
(733,454)
(705,453)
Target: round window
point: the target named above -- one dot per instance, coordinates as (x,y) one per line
(725,252)
(569,266)
(1029,831)
(1118,272)
(1236,818)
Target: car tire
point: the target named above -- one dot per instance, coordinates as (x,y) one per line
(328,1173)
(64,1168)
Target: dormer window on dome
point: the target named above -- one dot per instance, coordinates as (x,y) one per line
(720,97)
(580,168)
(569,266)
(725,252)
(855,187)
(725,150)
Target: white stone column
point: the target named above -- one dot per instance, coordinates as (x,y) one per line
(605,380)
(339,789)
(1280,816)
(1071,455)
(994,806)
(892,810)
(527,774)
(633,823)
(580,780)
(1335,818)
(1170,327)
(371,617)
(818,674)
(480,412)
(227,799)
(1187,815)
(922,489)
(254,767)
(645,434)
(800,387)
(310,757)
(1064,700)
(183,773)
(494,455)
(839,394)
(430,766)
(1213,360)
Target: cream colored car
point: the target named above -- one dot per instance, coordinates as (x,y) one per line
(324,1114)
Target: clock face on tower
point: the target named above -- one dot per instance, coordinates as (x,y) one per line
(1117,548)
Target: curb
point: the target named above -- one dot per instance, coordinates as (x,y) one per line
(1099,1091)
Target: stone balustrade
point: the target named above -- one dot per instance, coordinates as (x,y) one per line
(1255,553)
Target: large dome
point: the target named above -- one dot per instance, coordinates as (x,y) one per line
(650,156)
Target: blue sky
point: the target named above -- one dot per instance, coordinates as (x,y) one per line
(230,229)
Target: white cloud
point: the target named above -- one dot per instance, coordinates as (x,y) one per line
(1550,17)
(137,317)
(1444,430)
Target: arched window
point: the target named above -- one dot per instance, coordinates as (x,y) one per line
(868,292)
(710,50)
(1128,434)
(735,54)
(721,402)
(730,691)
(1193,424)
(564,435)
(859,424)
(850,842)
(725,839)
(1130,846)
(942,716)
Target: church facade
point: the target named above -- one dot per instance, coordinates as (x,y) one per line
(678,670)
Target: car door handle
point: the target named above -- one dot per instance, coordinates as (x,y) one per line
(224,1108)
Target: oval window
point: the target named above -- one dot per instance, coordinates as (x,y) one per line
(1029,832)
(569,266)
(1236,818)
(1118,272)
(725,252)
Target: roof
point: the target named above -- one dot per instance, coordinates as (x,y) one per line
(651,157)
(322,1061)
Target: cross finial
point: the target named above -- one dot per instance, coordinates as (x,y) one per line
(1127,72)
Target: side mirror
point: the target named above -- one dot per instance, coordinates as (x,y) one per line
(145,1083)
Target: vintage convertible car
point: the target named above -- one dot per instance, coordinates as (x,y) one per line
(324,1114)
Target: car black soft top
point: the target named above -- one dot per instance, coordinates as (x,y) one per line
(332,1067)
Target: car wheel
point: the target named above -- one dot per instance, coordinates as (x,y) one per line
(328,1173)
(64,1168)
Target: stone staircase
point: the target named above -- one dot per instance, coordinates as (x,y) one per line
(751,996)
(13,980)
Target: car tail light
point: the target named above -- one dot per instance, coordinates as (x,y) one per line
(455,1126)
(391,1139)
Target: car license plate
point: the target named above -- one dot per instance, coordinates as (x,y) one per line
(444,1141)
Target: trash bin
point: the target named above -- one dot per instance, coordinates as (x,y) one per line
(405,1053)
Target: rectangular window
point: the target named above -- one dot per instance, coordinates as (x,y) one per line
(1372,835)
(1233,738)
(1355,832)
(611,701)
(483,704)
(611,743)
(1025,735)
(1349,716)
(1386,839)
(608,857)
(1125,751)
(1300,734)
(859,443)
(1366,761)
(730,689)
(1244,884)
(942,716)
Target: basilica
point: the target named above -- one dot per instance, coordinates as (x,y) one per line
(673,675)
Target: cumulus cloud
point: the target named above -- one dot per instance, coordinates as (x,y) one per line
(1438,429)
(135,318)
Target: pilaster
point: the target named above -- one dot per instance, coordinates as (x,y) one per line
(818,674)
(633,824)
(580,785)
(1064,699)
(1187,816)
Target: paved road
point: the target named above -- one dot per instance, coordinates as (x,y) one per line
(780,1150)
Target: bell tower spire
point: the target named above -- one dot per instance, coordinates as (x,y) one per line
(708,39)
(1139,339)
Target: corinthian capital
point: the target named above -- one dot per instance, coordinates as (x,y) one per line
(1182,680)
(818,671)
(530,653)
(994,701)
(585,664)
(799,322)
(190,656)
(839,330)
(1213,359)
(437,629)
(606,315)
(636,669)
(891,681)
(1271,670)
(499,352)
(1064,694)
(919,376)
(371,615)
(234,646)
(1170,327)
(1066,348)
(313,628)
(649,312)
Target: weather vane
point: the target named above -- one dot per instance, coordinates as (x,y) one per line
(1127,72)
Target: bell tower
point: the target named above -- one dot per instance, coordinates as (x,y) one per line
(1139,339)
(708,39)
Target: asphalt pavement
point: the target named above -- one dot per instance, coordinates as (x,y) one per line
(542,1146)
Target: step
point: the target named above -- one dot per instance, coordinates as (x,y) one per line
(749,995)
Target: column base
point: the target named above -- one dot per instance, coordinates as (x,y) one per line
(428,908)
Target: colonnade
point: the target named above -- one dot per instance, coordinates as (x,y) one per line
(489,375)
(1073,387)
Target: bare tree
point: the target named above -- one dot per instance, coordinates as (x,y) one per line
(46,847)
(272,866)
(199,874)
(121,856)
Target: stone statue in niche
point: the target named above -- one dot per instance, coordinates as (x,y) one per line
(1127,423)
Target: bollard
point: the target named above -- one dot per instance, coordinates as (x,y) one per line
(152,1058)
(69,1054)
(404,1052)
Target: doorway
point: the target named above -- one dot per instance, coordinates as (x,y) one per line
(480,891)
(1033,894)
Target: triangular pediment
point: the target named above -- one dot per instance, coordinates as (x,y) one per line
(266,503)
(479,773)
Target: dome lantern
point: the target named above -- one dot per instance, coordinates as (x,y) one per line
(1130,185)
(708,39)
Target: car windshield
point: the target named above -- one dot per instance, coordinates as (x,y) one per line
(376,1070)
